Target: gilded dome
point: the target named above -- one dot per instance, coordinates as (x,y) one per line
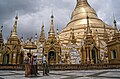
(78,18)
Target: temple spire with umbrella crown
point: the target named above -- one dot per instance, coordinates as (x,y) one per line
(51,34)
(14,32)
(42,35)
(52,25)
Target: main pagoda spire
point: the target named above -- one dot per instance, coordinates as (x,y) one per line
(82,8)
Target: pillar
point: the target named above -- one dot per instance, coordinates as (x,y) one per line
(1,59)
(91,61)
(98,55)
(56,57)
(14,58)
(10,59)
(18,58)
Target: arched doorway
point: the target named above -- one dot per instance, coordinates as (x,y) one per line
(113,54)
(52,57)
(95,55)
(6,59)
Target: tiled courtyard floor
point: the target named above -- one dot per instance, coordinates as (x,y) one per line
(73,74)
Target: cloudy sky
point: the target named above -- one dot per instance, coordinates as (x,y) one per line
(33,12)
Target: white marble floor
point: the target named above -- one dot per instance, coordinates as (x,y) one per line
(73,74)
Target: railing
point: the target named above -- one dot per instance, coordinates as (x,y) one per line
(64,67)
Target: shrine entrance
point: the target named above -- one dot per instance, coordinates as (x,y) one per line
(52,57)
(95,55)
(6,59)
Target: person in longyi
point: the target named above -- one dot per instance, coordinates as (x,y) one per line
(27,65)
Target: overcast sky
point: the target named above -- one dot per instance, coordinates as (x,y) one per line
(33,12)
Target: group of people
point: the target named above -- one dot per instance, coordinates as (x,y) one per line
(31,65)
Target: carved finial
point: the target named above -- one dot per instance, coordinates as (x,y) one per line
(52,25)
(57,31)
(1,28)
(16,18)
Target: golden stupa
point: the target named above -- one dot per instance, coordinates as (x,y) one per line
(78,22)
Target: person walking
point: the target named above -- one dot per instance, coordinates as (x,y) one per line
(36,64)
(33,68)
(45,66)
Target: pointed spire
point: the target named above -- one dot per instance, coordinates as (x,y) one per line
(57,31)
(15,24)
(57,36)
(52,25)
(1,29)
(88,26)
(35,35)
(72,37)
(42,35)
(14,32)
(1,37)
(115,26)
(51,34)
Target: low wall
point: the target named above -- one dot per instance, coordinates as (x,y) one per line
(64,67)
